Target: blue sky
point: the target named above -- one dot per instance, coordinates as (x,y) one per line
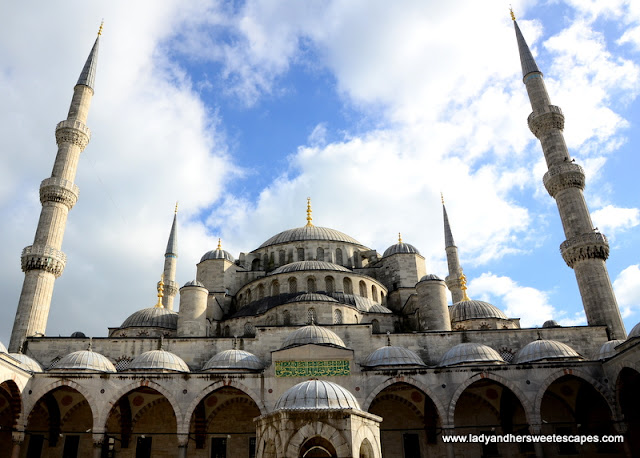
(241,111)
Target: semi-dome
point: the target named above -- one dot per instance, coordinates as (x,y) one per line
(400,248)
(471,353)
(157,317)
(472,309)
(312,334)
(305,233)
(312,297)
(234,359)
(301,266)
(194,283)
(84,360)
(217,254)
(431,277)
(635,332)
(545,350)
(158,360)
(3,349)
(392,356)
(608,349)
(317,395)
(550,324)
(377,308)
(26,362)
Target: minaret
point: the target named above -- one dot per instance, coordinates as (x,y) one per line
(170,262)
(585,249)
(455,271)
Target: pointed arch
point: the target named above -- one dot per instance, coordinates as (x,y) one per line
(317,429)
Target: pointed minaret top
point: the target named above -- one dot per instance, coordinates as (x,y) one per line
(526,58)
(88,75)
(448,236)
(309,218)
(172,244)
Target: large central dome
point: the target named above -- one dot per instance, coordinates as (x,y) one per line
(304,233)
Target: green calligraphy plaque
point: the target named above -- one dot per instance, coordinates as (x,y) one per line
(312,368)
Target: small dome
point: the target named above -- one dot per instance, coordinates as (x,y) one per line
(550,324)
(392,356)
(301,266)
(635,332)
(545,350)
(317,395)
(26,362)
(84,360)
(312,334)
(432,277)
(234,359)
(3,349)
(217,254)
(158,360)
(400,248)
(155,317)
(608,349)
(471,353)
(471,310)
(377,308)
(193,283)
(300,234)
(79,335)
(312,297)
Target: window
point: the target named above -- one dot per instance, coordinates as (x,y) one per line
(249,330)
(337,317)
(281,257)
(255,264)
(320,254)
(122,363)
(300,254)
(329,285)
(363,289)
(286,318)
(248,297)
(348,288)
(312,317)
(275,288)
(374,293)
(70,446)
(293,285)
(311,285)
(226,331)
(143,447)
(375,327)
(260,291)
(265,261)
(411,444)
(252,447)
(218,447)
(339,260)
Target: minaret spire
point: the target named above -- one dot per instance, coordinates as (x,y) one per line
(43,261)
(585,250)
(452,280)
(170,264)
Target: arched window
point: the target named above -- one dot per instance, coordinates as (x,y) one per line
(374,293)
(375,326)
(339,260)
(225,332)
(255,264)
(382,298)
(329,285)
(281,257)
(293,285)
(320,254)
(248,296)
(300,254)
(337,317)
(312,317)
(363,289)
(347,286)
(311,285)
(265,261)
(260,291)
(286,318)
(249,330)
(275,287)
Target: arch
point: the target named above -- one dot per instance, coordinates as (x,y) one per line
(15,401)
(329,284)
(347,286)
(320,254)
(317,428)
(374,293)
(363,289)
(269,442)
(311,284)
(517,392)
(275,288)
(317,446)
(293,285)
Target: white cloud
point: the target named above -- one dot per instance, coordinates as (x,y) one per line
(627,288)
(611,220)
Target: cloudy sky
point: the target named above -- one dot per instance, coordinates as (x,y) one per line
(241,110)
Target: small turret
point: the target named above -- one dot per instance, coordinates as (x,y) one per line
(192,316)
(432,304)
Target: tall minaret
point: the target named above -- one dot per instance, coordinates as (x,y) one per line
(455,271)
(585,249)
(43,261)
(170,262)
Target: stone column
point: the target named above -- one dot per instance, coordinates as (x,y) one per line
(183,442)
(98,441)
(449,431)
(537,446)
(17,437)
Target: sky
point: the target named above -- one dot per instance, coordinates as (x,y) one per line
(240,110)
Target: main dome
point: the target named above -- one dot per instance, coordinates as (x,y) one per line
(304,233)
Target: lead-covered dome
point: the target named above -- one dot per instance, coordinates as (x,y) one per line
(317,395)
(158,360)
(471,353)
(635,332)
(26,362)
(301,266)
(234,359)
(84,360)
(312,297)
(608,349)
(194,283)
(157,317)
(392,356)
(305,233)
(545,350)
(217,254)
(472,310)
(431,277)
(312,334)
(400,248)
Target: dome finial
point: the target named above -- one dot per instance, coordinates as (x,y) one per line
(160,292)
(90,347)
(399,237)
(442,197)
(175,212)
(513,16)
(463,287)
(100,29)
(388,338)
(219,244)
(309,218)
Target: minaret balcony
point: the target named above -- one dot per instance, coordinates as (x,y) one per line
(72,131)
(59,190)
(541,122)
(45,258)
(593,245)
(563,176)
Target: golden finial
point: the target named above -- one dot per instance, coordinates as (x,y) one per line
(513,16)
(160,292)
(309,218)
(219,244)
(442,198)
(176,210)
(399,238)
(463,287)
(100,29)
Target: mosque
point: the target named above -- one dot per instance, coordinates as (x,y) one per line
(315,345)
